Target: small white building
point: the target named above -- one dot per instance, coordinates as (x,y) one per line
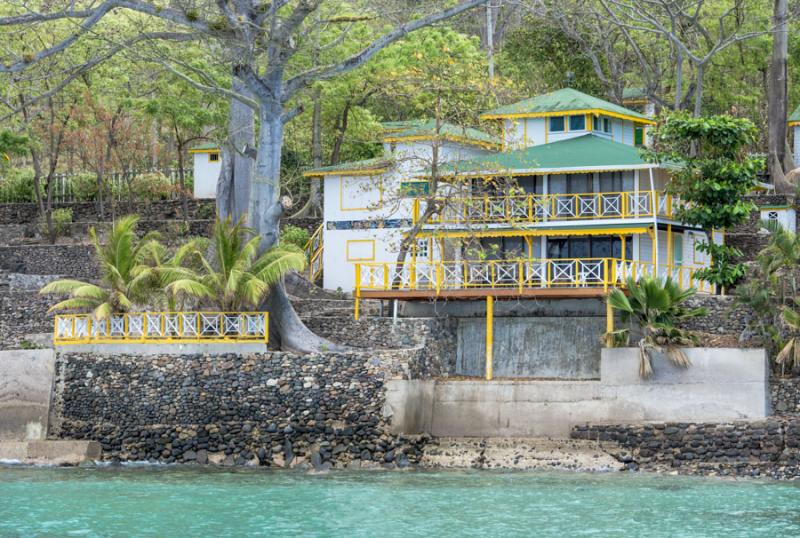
(207,166)
(794,124)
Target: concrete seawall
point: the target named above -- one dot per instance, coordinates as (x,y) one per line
(26,383)
(721,385)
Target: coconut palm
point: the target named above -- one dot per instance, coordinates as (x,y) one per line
(127,273)
(656,306)
(235,277)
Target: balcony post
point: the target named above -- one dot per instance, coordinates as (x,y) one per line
(358,290)
(609,320)
(489,337)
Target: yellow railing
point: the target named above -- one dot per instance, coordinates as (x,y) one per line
(436,276)
(314,249)
(162,327)
(532,208)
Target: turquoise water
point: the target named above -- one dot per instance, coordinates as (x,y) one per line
(203,502)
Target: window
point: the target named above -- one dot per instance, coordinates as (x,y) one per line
(638,136)
(677,250)
(577,123)
(422,248)
(603,125)
(213,157)
(557,124)
(413,189)
(772,215)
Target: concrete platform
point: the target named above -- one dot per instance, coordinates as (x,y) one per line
(50,452)
(520,454)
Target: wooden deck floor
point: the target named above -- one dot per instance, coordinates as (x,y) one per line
(477,293)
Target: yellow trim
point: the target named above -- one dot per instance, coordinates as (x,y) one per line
(489,338)
(365,172)
(590,122)
(670,252)
(210,153)
(449,138)
(215,150)
(794,123)
(598,111)
(341,196)
(546,131)
(549,232)
(347,250)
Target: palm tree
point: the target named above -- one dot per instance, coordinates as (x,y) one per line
(656,306)
(235,277)
(127,273)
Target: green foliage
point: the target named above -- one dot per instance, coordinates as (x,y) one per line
(724,271)
(84,186)
(294,235)
(540,55)
(16,185)
(235,277)
(657,308)
(62,219)
(151,186)
(790,353)
(713,173)
(127,274)
(11,145)
(771,285)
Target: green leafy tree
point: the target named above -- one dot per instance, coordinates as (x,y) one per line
(713,171)
(235,277)
(128,276)
(656,307)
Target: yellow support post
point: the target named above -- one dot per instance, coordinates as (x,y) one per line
(669,246)
(609,320)
(489,337)
(622,241)
(358,290)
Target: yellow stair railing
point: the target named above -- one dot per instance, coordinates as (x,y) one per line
(314,249)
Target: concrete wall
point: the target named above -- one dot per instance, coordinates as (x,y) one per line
(721,385)
(26,381)
(550,347)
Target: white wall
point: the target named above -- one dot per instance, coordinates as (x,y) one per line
(526,132)
(206,174)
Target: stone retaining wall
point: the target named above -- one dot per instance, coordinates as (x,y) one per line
(745,448)
(73,260)
(87,211)
(269,409)
(785,395)
(21,315)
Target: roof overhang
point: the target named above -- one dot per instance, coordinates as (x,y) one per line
(448,138)
(553,231)
(365,172)
(543,171)
(594,111)
(205,150)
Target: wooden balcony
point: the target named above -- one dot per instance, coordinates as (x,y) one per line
(531,278)
(539,208)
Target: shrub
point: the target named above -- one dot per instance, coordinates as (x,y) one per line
(62,218)
(84,186)
(16,185)
(294,235)
(151,186)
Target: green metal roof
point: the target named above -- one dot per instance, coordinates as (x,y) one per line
(583,152)
(634,93)
(367,165)
(564,100)
(446,131)
(207,146)
(401,125)
(795,117)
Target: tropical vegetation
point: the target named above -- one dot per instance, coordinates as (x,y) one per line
(137,273)
(654,308)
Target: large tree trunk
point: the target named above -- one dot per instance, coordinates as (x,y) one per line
(776,132)
(265,212)
(233,185)
(313,206)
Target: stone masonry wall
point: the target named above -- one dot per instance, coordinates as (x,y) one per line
(766,447)
(272,409)
(73,260)
(785,395)
(21,315)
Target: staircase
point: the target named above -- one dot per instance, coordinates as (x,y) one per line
(314,249)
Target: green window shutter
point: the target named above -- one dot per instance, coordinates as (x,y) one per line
(557,124)
(638,136)
(677,249)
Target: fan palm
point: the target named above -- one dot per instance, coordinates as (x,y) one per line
(656,306)
(127,273)
(235,277)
